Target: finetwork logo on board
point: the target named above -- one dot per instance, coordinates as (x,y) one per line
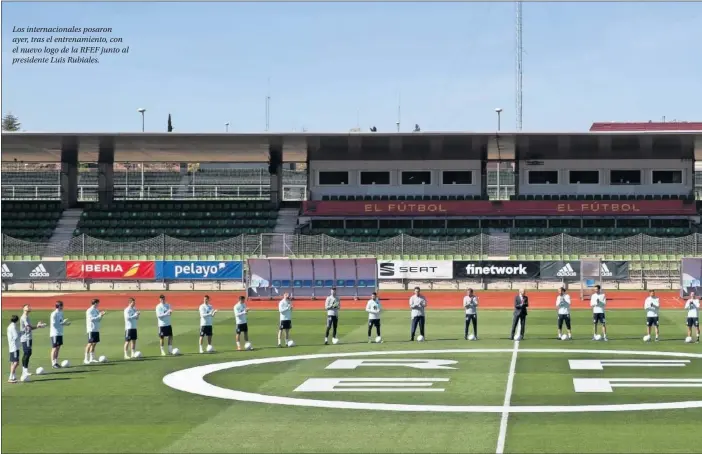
(473,269)
(6,271)
(39,271)
(566,271)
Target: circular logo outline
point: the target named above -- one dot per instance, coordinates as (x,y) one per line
(192,380)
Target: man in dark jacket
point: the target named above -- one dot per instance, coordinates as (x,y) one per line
(521,303)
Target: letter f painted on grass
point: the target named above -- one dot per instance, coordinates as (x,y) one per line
(424,364)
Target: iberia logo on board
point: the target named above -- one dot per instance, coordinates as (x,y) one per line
(89,269)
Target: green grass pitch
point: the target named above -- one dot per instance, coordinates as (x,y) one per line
(123,406)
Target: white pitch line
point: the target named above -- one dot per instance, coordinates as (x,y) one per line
(502,437)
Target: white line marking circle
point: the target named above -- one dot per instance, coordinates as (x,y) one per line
(193,381)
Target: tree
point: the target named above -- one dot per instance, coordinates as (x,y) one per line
(170,125)
(10,123)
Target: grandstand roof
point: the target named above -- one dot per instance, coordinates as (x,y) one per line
(224,147)
(650,126)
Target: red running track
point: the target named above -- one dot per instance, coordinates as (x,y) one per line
(391,300)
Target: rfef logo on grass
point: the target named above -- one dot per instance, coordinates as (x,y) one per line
(208,270)
(98,270)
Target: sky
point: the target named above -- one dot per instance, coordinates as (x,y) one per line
(330,67)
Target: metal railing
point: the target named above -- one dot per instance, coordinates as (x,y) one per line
(88,193)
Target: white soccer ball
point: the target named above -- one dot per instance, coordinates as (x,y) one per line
(598,337)
(688,340)
(210,349)
(40,370)
(291,343)
(335,341)
(647,338)
(137,355)
(24,378)
(517,337)
(102,359)
(564,337)
(175,352)
(378,340)
(65,363)
(471,337)
(420,338)
(248,346)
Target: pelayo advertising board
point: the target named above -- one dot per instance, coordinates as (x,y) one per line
(415,269)
(199,270)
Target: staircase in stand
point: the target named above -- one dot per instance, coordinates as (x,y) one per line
(58,242)
(275,245)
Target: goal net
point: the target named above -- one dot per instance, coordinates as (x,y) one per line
(590,276)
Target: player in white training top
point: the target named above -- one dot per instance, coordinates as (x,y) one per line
(332,305)
(242,323)
(56,324)
(131,317)
(25,330)
(13,339)
(652,306)
(563,305)
(207,313)
(693,315)
(285,308)
(93,317)
(373,308)
(418,305)
(598,301)
(165,330)
(470,305)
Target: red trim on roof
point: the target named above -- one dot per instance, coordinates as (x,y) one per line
(647,126)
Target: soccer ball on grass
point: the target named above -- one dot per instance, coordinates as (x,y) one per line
(688,340)
(102,359)
(471,337)
(137,355)
(65,363)
(40,370)
(210,349)
(564,337)
(335,341)
(248,346)
(420,338)
(378,340)
(647,338)
(291,343)
(176,352)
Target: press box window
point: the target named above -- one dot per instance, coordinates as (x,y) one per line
(416,177)
(456,177)
(624,177)
(370,178)
(667,177)
(333,178)
(543,177)
(584,177)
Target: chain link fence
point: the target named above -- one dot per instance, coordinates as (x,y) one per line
(642,248)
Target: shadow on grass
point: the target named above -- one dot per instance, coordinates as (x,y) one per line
(43,380)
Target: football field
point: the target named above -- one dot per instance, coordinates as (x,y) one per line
(443,395)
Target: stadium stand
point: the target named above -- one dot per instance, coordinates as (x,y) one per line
(30,220)
(191,220)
